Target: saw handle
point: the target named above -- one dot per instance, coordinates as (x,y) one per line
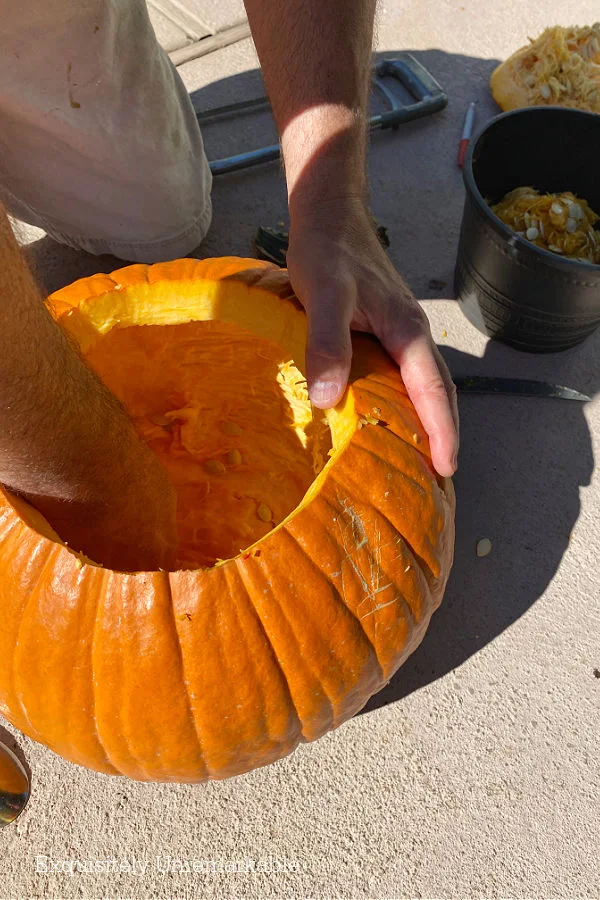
(420,84)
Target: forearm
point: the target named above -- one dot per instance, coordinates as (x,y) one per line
(58,424)
(315,57)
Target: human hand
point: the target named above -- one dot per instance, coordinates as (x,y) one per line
(345,280)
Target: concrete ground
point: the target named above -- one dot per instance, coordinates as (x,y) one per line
(476,772)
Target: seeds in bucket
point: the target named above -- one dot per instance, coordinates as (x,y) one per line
(561,223)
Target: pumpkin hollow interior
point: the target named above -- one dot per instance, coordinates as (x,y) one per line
(228,414)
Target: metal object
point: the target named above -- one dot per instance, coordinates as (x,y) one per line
(421,85)
(15,786)
(522,387)
(467,133)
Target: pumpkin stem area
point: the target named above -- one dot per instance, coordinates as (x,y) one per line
(228,415)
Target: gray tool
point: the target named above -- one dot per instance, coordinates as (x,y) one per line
(523,387)
(421,85)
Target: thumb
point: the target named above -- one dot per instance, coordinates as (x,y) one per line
(328,352)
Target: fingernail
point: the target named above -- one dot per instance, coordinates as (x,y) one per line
(324,392)
(455,462)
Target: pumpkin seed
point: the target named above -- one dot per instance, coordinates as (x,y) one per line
(264,513)
(234,457)
(214,467)
(571,226)
(575,211)
(160,419)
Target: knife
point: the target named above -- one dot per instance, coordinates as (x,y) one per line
(523,387)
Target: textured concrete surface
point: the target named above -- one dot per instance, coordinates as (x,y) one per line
(475,773)
(178,22)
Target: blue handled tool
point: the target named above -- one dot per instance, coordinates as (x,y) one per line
(416,79)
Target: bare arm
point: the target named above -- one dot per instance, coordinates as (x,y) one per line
(66,444)
(315,56)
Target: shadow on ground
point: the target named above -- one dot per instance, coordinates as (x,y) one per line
(518,484)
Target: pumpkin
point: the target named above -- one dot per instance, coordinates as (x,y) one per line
(560,68)
(315,546)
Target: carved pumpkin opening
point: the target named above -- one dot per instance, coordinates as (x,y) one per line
(228,414)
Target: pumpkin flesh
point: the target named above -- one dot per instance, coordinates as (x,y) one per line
(229,416)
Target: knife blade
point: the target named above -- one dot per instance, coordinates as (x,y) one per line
(522,387)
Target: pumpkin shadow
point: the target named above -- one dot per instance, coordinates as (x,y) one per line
(521,466)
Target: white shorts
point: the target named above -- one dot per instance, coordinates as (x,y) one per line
(99,144)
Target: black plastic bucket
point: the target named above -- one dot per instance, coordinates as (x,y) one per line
(510,289)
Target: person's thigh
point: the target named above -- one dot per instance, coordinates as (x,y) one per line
(99,144)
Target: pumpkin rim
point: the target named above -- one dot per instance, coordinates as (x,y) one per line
(255,275)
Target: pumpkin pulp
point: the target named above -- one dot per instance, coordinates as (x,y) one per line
(228,414)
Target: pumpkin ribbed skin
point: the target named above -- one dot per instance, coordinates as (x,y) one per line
(208,673)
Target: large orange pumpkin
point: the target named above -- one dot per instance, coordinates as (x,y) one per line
(314,546)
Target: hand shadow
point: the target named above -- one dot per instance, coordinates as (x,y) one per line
(522,463)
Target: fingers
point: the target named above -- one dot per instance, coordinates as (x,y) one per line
(329,349)
(433,395)
(350,282)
